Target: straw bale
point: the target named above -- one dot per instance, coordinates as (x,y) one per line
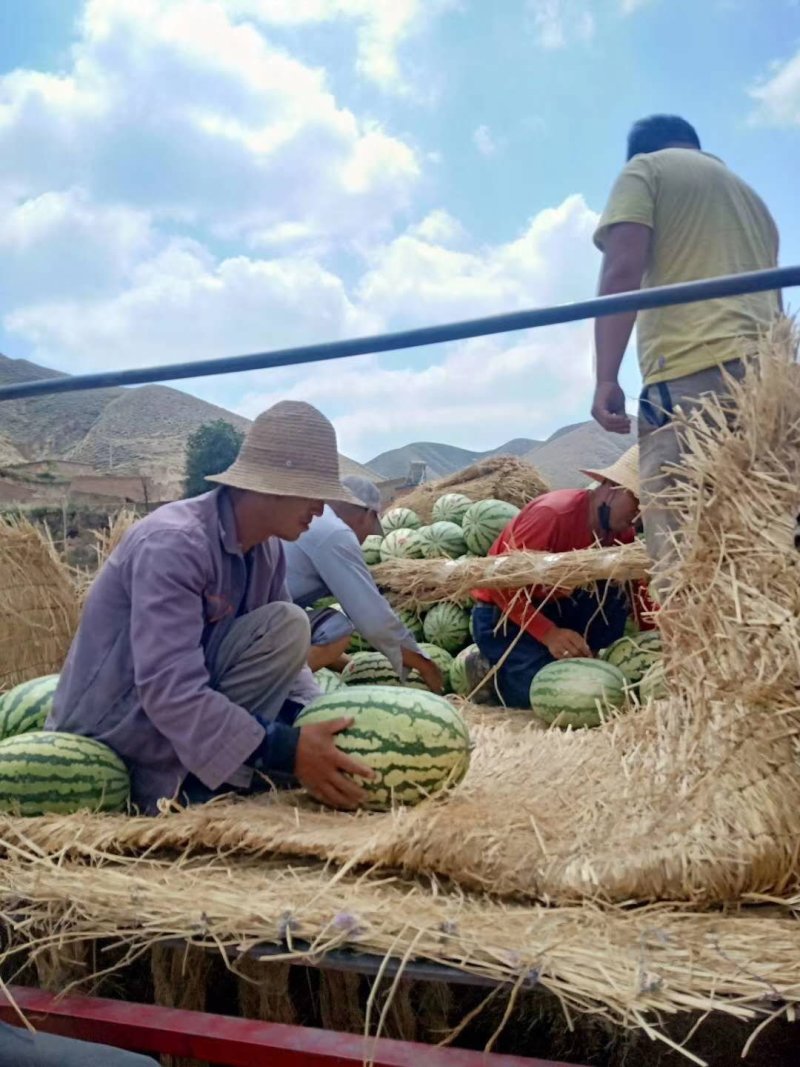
(419,582)
(180,980)
(499,478)
(38,608)
(264,991)
(631,966)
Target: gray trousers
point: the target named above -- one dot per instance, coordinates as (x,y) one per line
(20,1048)
(661,444)
(255,659)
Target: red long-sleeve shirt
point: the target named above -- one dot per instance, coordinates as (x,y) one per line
(554,522)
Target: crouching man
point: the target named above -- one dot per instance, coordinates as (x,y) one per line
(326,560)
(190,657)
(542,625)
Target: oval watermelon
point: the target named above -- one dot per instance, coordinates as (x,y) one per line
(447,625)
(577,692)
(466,670)
(443,540)
(328,681)
(412,622)
(404,543)
(26,707)
(451,507)
(483,523)
(417,743)
(371,549)
(400,519)
(634,655)
(373,668)
(45,771)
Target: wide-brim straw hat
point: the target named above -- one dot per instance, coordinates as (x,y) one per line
(289,450)
(624,471)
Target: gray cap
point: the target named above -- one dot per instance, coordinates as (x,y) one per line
(367,493)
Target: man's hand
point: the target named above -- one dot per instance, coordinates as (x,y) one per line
(323,768)
(431,675)
(608,408)
(566,644)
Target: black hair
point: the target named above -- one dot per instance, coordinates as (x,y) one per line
(657,131)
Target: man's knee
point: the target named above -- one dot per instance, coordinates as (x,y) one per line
(285,627)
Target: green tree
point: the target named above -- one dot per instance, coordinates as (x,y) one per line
(210,449)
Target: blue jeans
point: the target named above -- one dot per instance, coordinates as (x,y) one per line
(599,618)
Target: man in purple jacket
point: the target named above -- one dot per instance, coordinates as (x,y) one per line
(190,657)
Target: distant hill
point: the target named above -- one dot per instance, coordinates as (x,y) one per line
(440,459)
(586,444)
(581,444)
(116,432)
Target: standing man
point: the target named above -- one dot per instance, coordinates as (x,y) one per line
(519,631)
(676,214)
(190,657)
(327,560)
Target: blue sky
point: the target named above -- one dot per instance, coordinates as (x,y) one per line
(193,178)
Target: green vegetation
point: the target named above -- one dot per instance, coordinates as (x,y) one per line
(210,449)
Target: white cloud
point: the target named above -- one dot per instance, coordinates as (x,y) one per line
(484,141)
(384,26)
(176,107)
(629,6)
(778,95)
(476,393)
(557,23)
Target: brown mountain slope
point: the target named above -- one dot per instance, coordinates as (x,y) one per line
(138,431)
(585,445)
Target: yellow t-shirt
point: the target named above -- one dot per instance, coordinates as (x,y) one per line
(706,222)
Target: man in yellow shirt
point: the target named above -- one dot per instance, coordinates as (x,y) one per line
(676,214)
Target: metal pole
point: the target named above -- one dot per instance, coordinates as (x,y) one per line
(685,293)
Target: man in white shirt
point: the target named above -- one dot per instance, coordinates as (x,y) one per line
(327,560)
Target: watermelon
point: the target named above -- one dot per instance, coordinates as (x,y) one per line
(443,540)
(577,692)
(404,543)
(357,643)
(417,743)
(447,625)
(443,660)
(328,681)
(371,549)
(373,668)
(451,508)
(400,519)
(412,622)
(462,679)
(45,771)
(27,705)
(483,523)
(653,685)
(634,655)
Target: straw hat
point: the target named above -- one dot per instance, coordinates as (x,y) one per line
(624,472)
(290,450)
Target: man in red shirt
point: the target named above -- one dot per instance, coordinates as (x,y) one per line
(542,625)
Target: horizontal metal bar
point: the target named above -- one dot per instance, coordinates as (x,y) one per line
(641,299)
(222,1039)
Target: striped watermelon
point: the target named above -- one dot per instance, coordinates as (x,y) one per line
(357,643)
(577,692)
(402,544)
(653,685)
(400,519)
(45,771)
(443,540)
(373,668)
(463,680)
(27,705)
(451,508)
(443,660)
(634,655)
(328,681)
(412,622)
(447,625)
(417,743)
(483,523)
(371,549)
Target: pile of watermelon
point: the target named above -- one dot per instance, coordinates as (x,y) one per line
(460,527)
(587,692)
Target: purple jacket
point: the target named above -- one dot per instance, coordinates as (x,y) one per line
(136,677)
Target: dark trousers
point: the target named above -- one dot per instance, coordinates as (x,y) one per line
(599,618)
